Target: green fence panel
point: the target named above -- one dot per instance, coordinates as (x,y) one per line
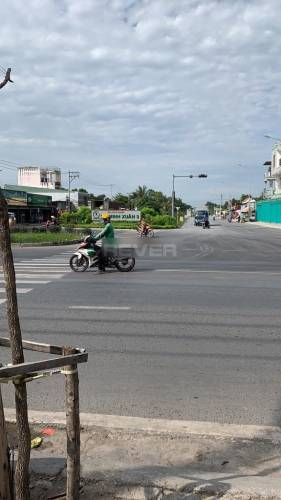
(269,211)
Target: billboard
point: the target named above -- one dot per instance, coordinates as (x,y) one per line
(123,215)
(15,198)
(39,200)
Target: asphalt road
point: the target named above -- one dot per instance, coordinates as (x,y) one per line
(192,333)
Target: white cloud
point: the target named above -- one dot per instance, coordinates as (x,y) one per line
(142,88)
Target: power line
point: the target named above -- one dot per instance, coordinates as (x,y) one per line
(6,167)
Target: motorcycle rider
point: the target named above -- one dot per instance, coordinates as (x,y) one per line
(107,234)
(206,222)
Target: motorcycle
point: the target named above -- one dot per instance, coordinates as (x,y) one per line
(85,257)
(206,224)
(149,233)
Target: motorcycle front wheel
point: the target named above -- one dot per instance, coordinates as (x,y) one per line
(78,263)
(125,265)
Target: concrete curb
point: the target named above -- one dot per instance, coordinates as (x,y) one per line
(158,426)
(266,224)
(47,243)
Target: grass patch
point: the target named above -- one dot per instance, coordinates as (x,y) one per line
(46,237)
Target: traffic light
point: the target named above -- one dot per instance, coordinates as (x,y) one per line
(202,176)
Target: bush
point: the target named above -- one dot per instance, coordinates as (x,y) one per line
(68,218)
(84,215)
(163,221)
(148,212)
(54,229)
(38,229)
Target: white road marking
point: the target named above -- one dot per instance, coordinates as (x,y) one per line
(39,264)
(194,271)
(112,308)
(41,269)
(19,290)
(42,261)
(35,276)
(44,271)
(28,281)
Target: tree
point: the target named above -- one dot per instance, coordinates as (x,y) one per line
(211,207)
(122,199)
(140,197)
(23,431)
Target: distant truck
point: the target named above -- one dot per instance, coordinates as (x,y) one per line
(200,216)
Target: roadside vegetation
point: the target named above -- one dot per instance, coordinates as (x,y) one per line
(155,208)
(43,237)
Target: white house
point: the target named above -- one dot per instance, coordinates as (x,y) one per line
(272,176)
(39,177)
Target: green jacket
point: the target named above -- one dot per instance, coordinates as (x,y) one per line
(108,234)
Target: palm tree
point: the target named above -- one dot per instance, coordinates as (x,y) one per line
(140,196)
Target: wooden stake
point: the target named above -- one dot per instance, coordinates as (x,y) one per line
(72,428)
(4,463)
(23,432)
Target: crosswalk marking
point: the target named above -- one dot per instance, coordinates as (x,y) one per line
(37,271)
(44,276)
(39,264)
(26,281)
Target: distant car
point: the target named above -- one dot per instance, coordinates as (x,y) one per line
(12,219)
(200,216)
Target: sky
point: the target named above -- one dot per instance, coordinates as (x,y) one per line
(130,92)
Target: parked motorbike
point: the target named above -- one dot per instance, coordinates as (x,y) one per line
(85,257)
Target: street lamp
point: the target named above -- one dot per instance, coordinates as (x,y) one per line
(190,176)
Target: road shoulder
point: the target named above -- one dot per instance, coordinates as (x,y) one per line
(138,458)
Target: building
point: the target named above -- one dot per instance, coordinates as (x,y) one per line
(28,207)
(59,197)
(272,176)
(248,208)
(39,177)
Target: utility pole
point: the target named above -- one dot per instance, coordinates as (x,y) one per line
(190,176)
(72,174)
(220,204)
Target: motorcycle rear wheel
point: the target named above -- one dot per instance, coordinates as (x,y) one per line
(78,264)
(125,265)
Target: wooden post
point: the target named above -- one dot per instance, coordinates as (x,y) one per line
(5,493)
(23,432)
(72,428)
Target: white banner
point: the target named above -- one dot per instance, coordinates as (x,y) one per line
(124,215)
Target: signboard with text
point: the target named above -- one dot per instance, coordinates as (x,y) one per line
(15,198)
(123,215)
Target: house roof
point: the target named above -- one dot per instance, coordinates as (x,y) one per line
(32,189)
